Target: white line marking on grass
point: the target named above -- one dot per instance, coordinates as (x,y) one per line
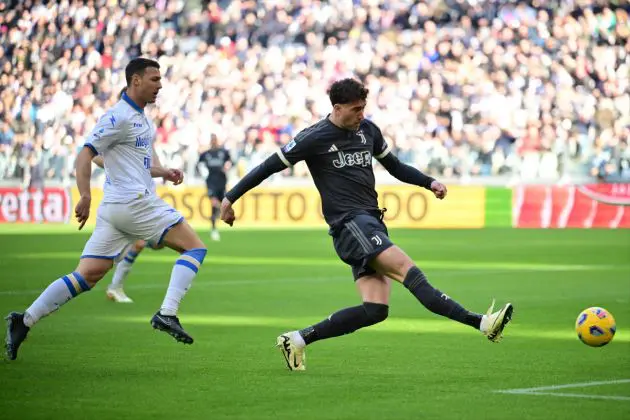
(542,390)
(585,396)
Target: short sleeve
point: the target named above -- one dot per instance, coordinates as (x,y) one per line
(300,148)
(108,130)
(381,148)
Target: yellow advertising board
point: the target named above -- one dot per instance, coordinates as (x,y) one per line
(297,207)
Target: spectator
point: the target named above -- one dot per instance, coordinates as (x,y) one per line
(529,89)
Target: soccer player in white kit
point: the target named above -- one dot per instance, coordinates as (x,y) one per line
(130,210)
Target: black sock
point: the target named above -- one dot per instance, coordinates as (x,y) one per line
(214,216)
(436,301)
(346,321)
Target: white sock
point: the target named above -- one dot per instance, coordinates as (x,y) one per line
(56,294)
(184,271)
(122,270)
(297,339)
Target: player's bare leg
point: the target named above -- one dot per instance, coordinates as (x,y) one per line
(374,291)
(394,263)
(115,291)
(179,237)
(58,293)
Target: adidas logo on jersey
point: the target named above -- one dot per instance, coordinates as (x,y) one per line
(333,148)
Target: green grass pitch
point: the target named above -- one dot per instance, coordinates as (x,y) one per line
(98,360)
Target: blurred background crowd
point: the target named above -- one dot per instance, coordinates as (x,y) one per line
(463,89)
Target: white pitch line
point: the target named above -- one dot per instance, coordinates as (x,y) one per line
(541,390)
(585,396)
(576,385)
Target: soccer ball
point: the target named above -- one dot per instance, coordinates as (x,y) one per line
(595,326)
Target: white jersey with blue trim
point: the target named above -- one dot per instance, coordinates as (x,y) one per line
(124,136)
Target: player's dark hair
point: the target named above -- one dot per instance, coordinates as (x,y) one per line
(138,66)
(346,91)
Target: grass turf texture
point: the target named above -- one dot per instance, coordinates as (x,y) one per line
(99,360)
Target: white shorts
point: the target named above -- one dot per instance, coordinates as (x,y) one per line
(147,218)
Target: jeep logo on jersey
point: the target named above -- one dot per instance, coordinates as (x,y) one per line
(352,159)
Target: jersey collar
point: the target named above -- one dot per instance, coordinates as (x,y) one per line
(343,130)
(131,103)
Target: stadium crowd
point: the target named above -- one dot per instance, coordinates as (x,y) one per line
(462,88)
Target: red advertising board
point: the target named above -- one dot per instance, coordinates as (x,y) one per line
(49,205)
(572,206)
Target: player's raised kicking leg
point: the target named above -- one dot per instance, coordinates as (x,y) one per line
(394,263)
(115,291)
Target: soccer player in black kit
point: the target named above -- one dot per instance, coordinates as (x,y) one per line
(217,161)
(338,151)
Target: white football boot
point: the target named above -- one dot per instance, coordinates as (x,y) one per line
(214,235)
(117,294)
(493,323)
(294,355)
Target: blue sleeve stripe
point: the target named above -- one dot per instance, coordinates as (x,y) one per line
(92,148)
(187,264)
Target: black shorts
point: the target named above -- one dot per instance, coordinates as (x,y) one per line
(358,240)
(216,191)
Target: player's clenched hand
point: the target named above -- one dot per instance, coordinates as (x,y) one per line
(175,176)
(438,189)
(227,212)
(82,210)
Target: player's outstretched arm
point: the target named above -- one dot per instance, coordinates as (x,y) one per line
(257,175)
(411,175)
(83,166)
